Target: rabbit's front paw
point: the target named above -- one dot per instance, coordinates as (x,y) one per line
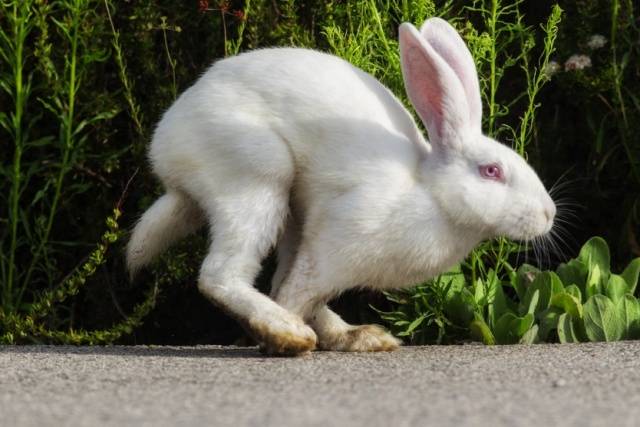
(361,338)
(286,336)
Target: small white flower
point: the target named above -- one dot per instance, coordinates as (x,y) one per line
(551,69)
(577,62)
(596,41)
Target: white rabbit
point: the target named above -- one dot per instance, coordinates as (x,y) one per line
(301,150)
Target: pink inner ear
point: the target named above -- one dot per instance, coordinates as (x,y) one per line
(446,41)
(433,88)
(424,93)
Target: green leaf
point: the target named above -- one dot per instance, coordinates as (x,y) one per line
(479,293)
(566,331)
(616,288)
(460,308)
(595,255)
(533,301)
(413,325)
(453,280)
(480,330)
(502,329)
(601,319)
(574,291)
(521,325)
(568,303)
(628,309)
(524,278)
(546,284)
(531,336)
(548,322)
(594,282)
(631,273)
(510,328)
(496,301)
(574,273)
(596,252)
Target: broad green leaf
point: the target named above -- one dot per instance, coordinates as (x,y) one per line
(496,301)
(556,283)
(521,325)
(616,288)
(546,284)
(502,329)
(629,312)
(460,308)
(548,322)
(601,319)
(568,303)
(594,281)
(573,273)
(510,328)
(524,278)
(595,255)
(574,291)
(479,293)
(531,336)
(533,302)
(631,273)
(481,331)
(596,252)
(453,281)
(566,331)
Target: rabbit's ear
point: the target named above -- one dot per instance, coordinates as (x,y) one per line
(446,41)
(434,89)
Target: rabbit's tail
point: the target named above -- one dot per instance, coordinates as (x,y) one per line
(171,217)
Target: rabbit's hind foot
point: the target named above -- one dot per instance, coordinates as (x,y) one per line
(361,338)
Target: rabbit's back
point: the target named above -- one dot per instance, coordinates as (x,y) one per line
(283,111)
(291,87)
(301,94)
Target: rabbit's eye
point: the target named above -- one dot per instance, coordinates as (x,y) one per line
(491,171)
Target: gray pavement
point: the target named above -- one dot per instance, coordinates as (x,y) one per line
(540,385)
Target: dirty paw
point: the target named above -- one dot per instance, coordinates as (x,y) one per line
(284,336)
(361,338)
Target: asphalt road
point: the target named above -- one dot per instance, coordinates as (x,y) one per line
(540,385)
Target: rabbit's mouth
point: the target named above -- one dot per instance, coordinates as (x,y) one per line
(526,228)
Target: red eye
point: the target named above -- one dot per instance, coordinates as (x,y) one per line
(491,171)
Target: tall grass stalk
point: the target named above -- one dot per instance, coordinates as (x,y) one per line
(536,79)
(62,119)
(618,68)
(134,107)
(65,108)
(17,84)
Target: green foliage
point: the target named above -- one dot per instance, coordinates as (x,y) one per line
(597,108)
(581,301)
(29,323)
(50,53)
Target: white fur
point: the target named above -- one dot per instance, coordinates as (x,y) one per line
(301,141)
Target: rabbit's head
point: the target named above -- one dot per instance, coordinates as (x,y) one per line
(479,183)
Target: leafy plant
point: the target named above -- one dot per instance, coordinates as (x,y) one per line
(592,118)
(581,301)
(50,122)
(31,324)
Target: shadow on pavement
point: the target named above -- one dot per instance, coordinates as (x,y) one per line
(140,351)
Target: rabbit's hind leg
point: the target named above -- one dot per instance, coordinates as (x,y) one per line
(301,293)
(245,225)
(335,334)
